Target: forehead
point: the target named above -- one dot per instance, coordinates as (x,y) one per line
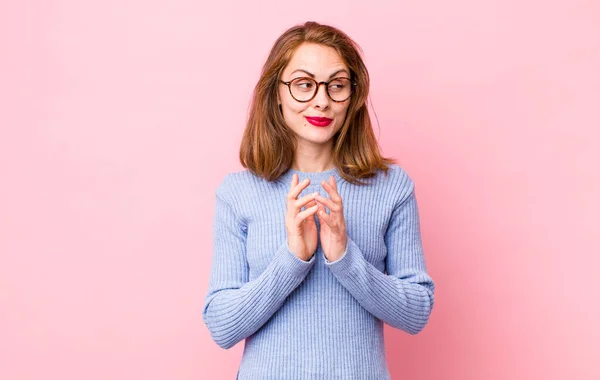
(318,59)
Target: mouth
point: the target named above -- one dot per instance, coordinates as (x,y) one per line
(319,121)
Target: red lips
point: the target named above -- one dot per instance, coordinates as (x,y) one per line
(319,121)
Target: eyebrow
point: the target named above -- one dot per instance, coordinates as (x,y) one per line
(313,75)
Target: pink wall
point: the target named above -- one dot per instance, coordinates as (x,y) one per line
(114,117)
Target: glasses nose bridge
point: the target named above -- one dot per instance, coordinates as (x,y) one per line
(318,86)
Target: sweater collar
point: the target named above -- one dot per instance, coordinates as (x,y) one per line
(315,177)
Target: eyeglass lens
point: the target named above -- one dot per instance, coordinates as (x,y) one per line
(305,88)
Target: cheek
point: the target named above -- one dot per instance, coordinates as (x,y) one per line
(340,113)
(294,109)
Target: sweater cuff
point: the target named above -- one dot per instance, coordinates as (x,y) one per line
(351,256)
(291,264)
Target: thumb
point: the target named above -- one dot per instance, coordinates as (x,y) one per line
(309,205)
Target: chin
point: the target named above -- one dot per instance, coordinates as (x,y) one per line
(316,139)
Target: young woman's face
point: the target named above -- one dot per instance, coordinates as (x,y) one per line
(321,63)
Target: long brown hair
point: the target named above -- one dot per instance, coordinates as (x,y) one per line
(268,144)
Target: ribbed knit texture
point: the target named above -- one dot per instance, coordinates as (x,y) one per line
(316,319)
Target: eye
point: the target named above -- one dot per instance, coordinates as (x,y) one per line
(305,84)
(337,85)
(302,85)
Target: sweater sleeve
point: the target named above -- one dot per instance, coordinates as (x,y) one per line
(404,297)
(234,307)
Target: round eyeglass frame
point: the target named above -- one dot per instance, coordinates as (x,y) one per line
(288,84)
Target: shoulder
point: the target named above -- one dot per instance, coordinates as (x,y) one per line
(397,182)
(238,185)
(231,183)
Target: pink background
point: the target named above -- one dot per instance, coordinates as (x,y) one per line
(118,119)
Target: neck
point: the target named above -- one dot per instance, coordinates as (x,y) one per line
(313,159)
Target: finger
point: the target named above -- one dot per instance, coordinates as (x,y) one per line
(332,182)
(299,203)
(294,181)
(332,191)
(321,207)
(305,214)
(324,217)
(329,203)
(312,203)
(296,188)
(308,206)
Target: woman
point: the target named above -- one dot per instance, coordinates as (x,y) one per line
(317,243)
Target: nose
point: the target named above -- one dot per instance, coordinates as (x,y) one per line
(321,99)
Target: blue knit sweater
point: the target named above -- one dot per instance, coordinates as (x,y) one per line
(316,319)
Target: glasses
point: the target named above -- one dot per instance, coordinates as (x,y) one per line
(304,89)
